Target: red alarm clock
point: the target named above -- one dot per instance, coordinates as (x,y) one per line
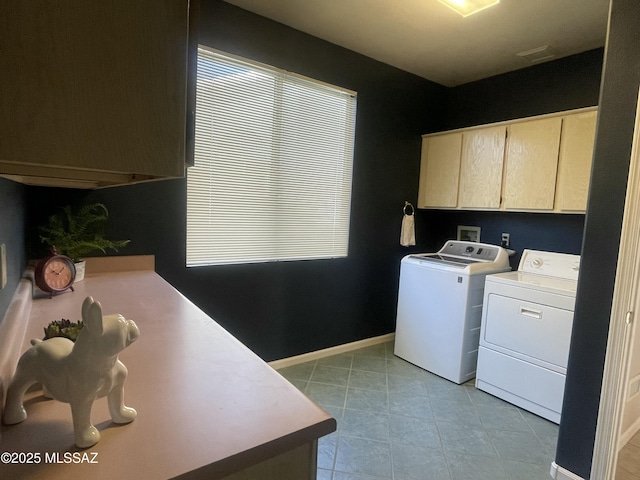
(55,273)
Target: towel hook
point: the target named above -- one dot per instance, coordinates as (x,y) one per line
(408,204)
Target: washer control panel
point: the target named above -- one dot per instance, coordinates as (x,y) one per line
(552,264)
(474,250)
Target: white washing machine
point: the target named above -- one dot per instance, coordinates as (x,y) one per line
(440,306)
(526,330)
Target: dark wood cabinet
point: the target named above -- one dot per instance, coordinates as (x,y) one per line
(96,94)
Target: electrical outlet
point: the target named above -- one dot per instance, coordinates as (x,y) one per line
(505,240)
(3,266)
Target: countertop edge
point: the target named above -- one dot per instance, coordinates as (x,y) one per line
(240,461)
(220,467)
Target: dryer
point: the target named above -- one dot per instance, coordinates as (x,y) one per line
(525,333)
(440,306)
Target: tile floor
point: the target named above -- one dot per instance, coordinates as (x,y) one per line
(399,422)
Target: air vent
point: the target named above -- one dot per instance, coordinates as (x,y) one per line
(540,54)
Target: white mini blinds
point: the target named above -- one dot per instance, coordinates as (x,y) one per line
(273,162)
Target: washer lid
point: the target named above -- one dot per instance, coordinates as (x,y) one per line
(444,259)
(468,257)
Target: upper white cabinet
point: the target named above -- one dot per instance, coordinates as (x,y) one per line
(481,168)
(440,170)
(531,163)
(534,164)
(94,93)
(574,164)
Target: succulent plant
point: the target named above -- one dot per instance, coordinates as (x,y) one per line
(63,328)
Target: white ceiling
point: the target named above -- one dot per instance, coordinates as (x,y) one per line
(428,39)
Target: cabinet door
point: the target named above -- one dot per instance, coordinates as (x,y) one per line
(531,164)
(481,167)
(440,171)
(574,164)
(97,86)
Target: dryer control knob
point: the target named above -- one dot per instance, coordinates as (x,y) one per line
(537,262)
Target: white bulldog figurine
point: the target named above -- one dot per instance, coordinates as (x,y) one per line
(78,373)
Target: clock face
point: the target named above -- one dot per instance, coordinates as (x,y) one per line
(58,273)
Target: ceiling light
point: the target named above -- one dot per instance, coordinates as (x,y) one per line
(469,7)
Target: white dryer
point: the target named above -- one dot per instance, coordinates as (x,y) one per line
(440,306)
(527,319)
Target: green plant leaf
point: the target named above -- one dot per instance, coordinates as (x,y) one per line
(81,233)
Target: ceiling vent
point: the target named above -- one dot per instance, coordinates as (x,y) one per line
(540,54)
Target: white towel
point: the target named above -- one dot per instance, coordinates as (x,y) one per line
(407,232)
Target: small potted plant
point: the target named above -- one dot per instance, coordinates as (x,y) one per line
(76,234)
(63,328)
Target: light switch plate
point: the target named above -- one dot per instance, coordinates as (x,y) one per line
(3,266)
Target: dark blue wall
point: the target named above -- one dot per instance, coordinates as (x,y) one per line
(288,308)
(284,309)
(564,84)
(537,231)
(12,229)
(617,112)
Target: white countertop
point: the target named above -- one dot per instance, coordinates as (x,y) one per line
(204,400)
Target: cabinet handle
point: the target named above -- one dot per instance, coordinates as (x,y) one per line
(528,312)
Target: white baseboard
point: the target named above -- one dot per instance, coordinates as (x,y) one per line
(628,434)
(327,352)
(560,473)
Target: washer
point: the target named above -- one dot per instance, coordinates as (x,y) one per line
(440,306)
(526,331)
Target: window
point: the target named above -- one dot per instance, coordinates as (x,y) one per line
(273,162)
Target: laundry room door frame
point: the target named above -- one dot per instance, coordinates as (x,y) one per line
(624,315)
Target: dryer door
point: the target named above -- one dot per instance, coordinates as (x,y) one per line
(531,331)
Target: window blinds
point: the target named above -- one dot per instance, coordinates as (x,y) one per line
(273,164)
